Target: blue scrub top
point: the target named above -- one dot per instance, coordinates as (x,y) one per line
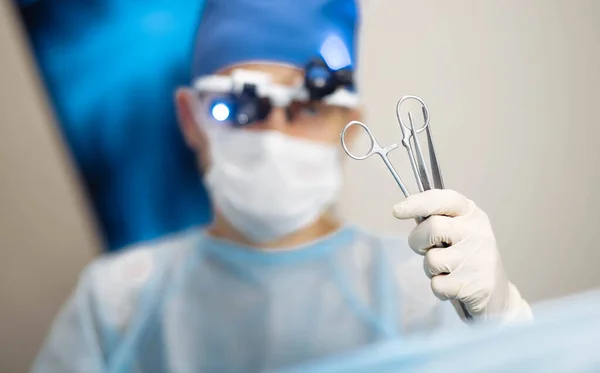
(110,68)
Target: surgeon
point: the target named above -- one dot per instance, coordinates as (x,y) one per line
(277,278)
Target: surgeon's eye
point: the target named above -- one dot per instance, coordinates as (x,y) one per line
(311,110)
(304,110)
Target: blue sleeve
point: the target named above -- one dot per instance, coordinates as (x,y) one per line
(73,344)
(110,68)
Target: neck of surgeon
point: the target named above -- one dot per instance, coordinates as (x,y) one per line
(325,225)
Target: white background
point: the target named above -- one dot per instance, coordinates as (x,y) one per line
(513,91)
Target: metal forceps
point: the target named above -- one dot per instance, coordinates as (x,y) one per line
(415,154)
(411,143)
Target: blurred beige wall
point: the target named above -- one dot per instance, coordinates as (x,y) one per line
(46,236)
(513,88)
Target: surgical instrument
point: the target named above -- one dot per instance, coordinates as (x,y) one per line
(415,156)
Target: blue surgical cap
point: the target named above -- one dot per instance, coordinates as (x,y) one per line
(282,31)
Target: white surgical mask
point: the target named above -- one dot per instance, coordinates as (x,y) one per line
(268,184)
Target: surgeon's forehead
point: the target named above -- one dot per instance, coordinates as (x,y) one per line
(281,74)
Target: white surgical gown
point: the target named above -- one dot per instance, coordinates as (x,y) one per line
(193,303)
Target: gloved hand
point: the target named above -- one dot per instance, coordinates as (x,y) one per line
(469,269)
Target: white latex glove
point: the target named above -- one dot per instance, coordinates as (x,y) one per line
(470,269)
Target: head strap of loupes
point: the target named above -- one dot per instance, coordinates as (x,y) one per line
(317,36)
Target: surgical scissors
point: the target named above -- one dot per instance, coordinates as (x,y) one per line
(375,149)
(415,156)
